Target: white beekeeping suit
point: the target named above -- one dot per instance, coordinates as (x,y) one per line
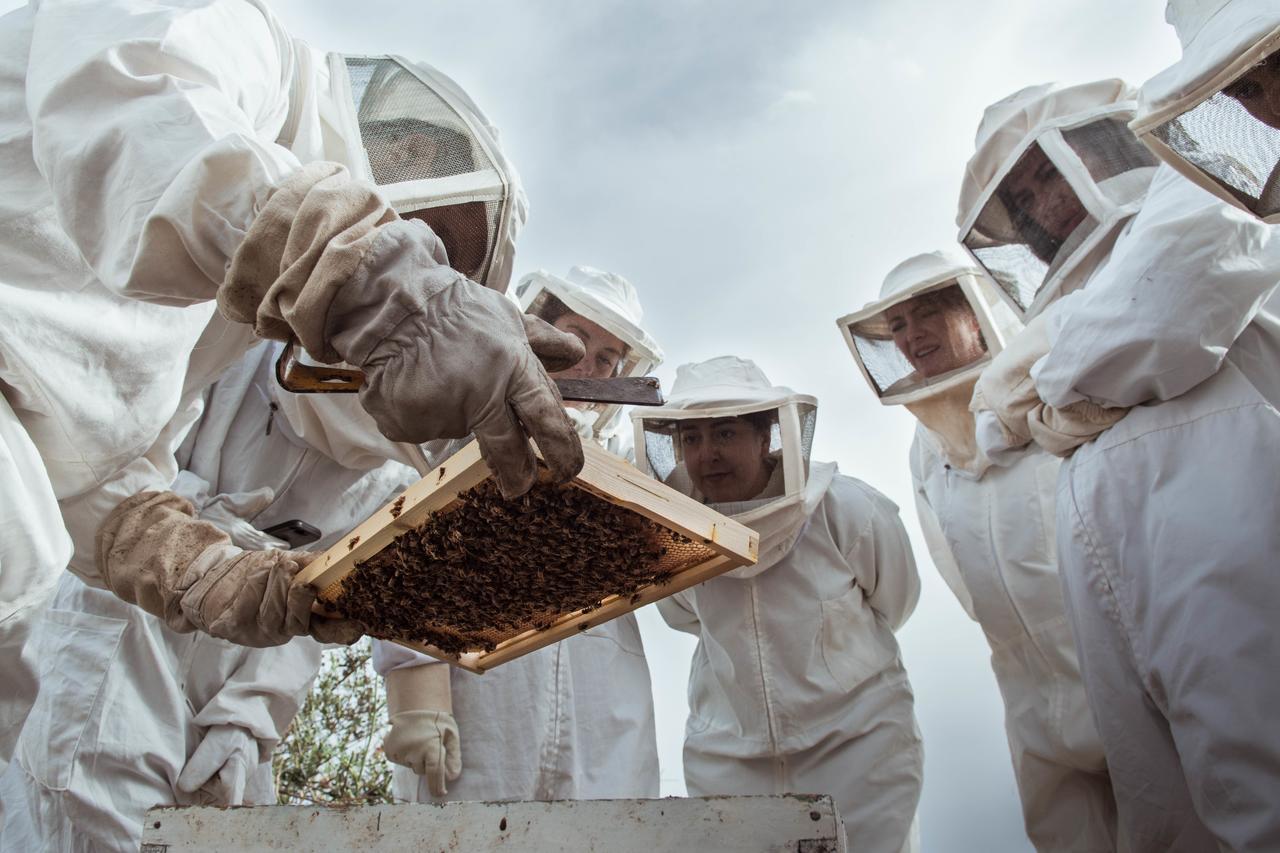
(161,158)
(797,684)
(571,721)
(185,717)
(990,531)
(1167,522)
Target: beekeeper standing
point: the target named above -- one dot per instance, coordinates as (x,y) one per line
(1167,521)
(571,721)
(797,682)
(990,531)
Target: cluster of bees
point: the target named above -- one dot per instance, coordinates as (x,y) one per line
(489,568)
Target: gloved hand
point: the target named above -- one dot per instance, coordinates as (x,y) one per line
(217,773)
(328,261)
(230,513)
(583,421)
(1007,390)
(444,357)
(153,552)
(424,734)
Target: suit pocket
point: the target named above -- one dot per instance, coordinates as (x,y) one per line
(76,653)
(851,645)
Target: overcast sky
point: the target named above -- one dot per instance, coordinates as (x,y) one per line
(755,168)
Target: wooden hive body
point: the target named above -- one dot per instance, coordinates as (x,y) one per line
(721,545)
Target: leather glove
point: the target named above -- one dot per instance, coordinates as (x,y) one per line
(230,513)
(328,261)
(444,357)
(153,552)
(424,734)
(218,772)
(1007,390)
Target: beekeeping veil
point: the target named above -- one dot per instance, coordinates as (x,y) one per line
(729,387)
(433,154)
(604,298)
(1215,114)
(967,323)
(1055,176)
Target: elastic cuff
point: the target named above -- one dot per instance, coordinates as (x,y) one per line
(419,688)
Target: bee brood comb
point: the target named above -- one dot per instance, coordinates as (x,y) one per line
(452,569)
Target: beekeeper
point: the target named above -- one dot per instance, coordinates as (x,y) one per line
(184,717)
(160,161)
(570,721)
(990,531)
(797,683)
(1166,521)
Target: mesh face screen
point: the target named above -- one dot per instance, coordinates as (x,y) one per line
(521,565)
(808,426)
(467,231)
(1016,269)
(1020,233)
(1108,148)
(918,339)
(547,306)
(1232,137)
(409,132)
(666,459)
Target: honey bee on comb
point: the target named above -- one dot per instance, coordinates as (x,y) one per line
(487,568)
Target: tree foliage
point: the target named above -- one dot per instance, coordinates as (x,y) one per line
(333,751)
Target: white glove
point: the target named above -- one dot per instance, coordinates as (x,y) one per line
(583,421)
(424,734)
(1007,390)
(230,512)
(427,743)
(218,771)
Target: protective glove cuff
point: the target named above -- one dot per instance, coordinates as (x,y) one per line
(419,688)
(300,251)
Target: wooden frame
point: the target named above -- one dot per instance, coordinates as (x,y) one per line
(785,823)
(605,476)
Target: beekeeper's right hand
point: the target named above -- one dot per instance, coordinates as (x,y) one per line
(328,261)
(153,552)
(424,734)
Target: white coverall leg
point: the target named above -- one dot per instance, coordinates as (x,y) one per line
(1176,610)
(996,549)
(872,772)
(571,721)
(1168,528)
(827,708)
(124,702)
(34,549)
